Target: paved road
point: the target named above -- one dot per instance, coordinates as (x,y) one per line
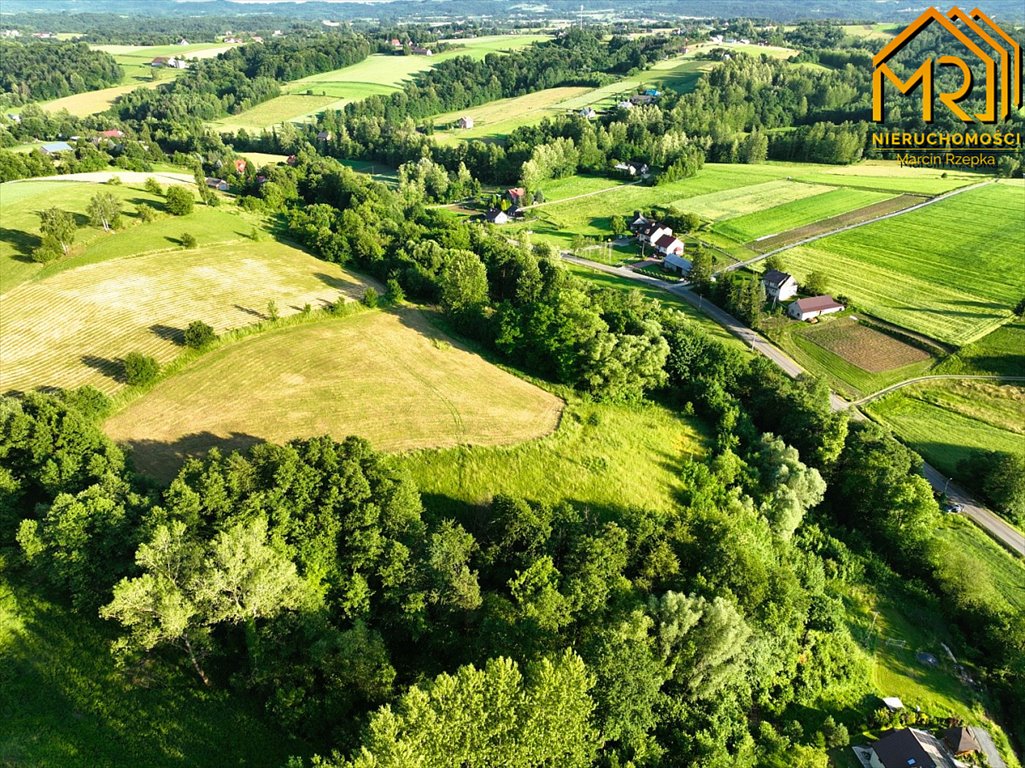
(890,215)
(995,526)
(937,377)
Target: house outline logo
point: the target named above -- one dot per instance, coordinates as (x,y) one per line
(1003,68)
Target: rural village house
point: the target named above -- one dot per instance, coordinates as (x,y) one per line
(668,244)
(625,104)
(419,51)
(466,122)
(218,184)
(810,308)
(588,113)
(497,216)
(649,233)
(779,286)
(56,148)
(516,195)
(634,168)
(909,748)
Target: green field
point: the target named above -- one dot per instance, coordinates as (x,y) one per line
(791,215)
(951,271)
(378,74)
(497,119)
(388,377)
(591,459)
(731,203)
(66,705)
(112,305)
(20,204)
(1001,352)
(948,421)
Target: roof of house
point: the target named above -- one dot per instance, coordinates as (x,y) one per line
(774,278)
(516,192)
(817,304)
(677,261)
(893,702)
(57,146)
(650,228)
(665,241)
(113,133)
(961,740)
(494,213)
(161,59)
(903,749)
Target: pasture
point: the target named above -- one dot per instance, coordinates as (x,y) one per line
(496,119)
(1001,352)
(604,456)
(951,271)
(97,313)
(731,203)
(389,377)
(946,421)
(273,112)
(67,704)
(94,102)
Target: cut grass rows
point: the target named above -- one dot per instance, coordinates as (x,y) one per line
(731,203)
(98,313)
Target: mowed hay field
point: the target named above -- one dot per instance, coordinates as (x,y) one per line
(947,421)
(73,327)
(388,377)
(951,271)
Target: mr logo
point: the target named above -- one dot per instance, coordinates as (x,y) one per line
(993,47)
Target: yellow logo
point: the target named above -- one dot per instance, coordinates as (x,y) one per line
(986,41)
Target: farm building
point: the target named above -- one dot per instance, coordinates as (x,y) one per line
(588,113)
(810,308)
(676,263)
(419,51)
(779,286)
(160,61)
(649,233)
(669,245)
(497,216)
(516,195)
(113,133)
(218,184)
(56,148)
(625,104)
(396,43)
(641,98)
(324,136)
(633,168)
(909,747)
(961,741)
(466,122)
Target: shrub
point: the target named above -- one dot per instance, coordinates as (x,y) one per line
(45,253)
(180,201)
(139,368)
(272,310)
(188,240)
(370,298)
(199,335)
(152,186)
(394,293)
(88,401)
(114,181)
(146,212)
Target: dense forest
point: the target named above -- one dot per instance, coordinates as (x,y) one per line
(48,70)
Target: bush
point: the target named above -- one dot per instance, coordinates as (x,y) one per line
(139,368)
(370,298)
(114,181)
(152,186)
(199,335)
(394,293)
(146,212)
(188,240)
(88,401)
(180,201)
(45,253)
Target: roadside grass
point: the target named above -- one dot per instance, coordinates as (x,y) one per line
(497,119)
(994,571)
(97,313)
(1001,352)
(65,704)
(901,269)
(855,358)
(789,215)
(947,421)
(389,377)
(602,456)
(605,280)
(20,205)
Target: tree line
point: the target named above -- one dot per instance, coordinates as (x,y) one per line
(42,70)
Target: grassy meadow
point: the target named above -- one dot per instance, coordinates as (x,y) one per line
(388,377)
(378,74)
(1001,353)
(112,305)
(951,271)
(497,119)
(65,703)
(947,421)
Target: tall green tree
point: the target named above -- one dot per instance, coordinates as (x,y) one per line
(104,211)
(57,227)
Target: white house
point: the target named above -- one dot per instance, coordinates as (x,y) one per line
(588,113)
(809,309)
(497,216)
(779,286)
(668,244)
(466,122)
(676,263)
(632,169)
(651,232)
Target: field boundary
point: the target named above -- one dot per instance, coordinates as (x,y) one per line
(934,377)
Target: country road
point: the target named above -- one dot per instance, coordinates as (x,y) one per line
(813,238)
(935,377)
(996,527)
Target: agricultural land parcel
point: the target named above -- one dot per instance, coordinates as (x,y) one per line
(388,377)
(378,74)
(112,304)
(951,271)
(947,421)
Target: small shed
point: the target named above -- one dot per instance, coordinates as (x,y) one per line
(961,741)
(676,263)
(466,122)
(497,216)
(56,148)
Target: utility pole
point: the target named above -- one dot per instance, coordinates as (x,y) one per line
(581,17)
